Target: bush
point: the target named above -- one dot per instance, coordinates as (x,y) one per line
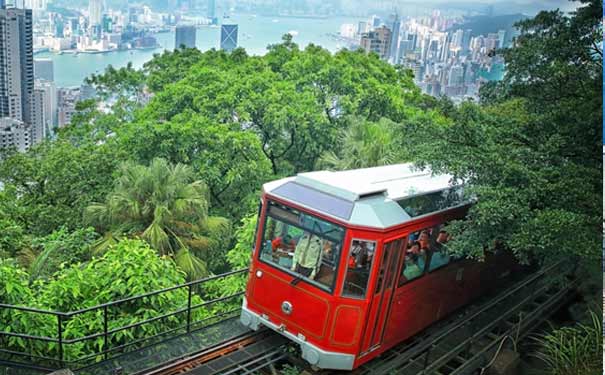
(127,269)
(573,350)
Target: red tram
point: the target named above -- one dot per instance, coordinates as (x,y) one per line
(348,264)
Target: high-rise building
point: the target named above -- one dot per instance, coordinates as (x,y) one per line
(394,45)
(378,41)
(466,40)
(228,37)
(456,77)
(38,125)
(95,11)
(14,133)
(457,38)
(35,5)
(185,36)
(362,27)
(50,103)
(66,104)
(44,69)
(212,12)
(501,38)
(491,42)
(374,21)
(16,64)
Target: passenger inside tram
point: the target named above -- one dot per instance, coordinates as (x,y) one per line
(359,263)
(420,253)
(411,269)
(307,255)
(301,244)
(438,256)
(285,243)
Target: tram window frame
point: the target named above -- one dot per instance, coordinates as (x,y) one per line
(336,249)
(363,296)
(258,217)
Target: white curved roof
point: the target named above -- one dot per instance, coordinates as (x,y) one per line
(369,197)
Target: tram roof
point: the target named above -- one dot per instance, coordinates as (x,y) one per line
(378,197)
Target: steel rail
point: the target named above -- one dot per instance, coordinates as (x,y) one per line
(535,315)
(197,359)
(417,352)
(418,344)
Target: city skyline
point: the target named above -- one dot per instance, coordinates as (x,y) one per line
(448,53)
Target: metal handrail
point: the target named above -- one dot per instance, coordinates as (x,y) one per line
(106,333)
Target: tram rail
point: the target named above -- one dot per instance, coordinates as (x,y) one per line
(459,345)
(244,354)
(470,339)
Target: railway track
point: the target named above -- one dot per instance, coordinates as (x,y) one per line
(459,345)
(469,340)
(243,354)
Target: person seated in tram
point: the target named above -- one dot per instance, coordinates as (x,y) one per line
(307,255)
(285,243)
(359,255)
(425,239)
(420,253)
(412,270)
(443,237)
(438,258)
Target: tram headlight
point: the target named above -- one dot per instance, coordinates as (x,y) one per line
(312,356)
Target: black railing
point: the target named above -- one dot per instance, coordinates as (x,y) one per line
(63,350)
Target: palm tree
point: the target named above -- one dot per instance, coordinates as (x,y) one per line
(363,144)
(164,206)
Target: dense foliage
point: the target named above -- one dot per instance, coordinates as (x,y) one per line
(128,268)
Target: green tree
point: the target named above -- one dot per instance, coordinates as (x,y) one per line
(49,186)
(164,206)
(12,237)
(363,144)
(229,161)
(59,249)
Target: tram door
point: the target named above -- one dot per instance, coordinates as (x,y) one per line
(381,300)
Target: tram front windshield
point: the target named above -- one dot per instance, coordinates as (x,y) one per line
(301,244)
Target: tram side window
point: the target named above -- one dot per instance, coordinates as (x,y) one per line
(439,256)
(359,265)
(422,246)
(302,244)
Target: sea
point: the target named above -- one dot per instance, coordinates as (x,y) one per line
(255,33)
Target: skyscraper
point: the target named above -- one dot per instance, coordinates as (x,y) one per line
(377,41)
(50,103)
(228,37)
(501,38)
(14,133)
(394,45)
(185,36)
(95,11)
(212,12)
(38,125)
(16,64)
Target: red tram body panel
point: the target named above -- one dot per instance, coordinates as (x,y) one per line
(348,264)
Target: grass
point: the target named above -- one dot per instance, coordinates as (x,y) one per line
(573,350)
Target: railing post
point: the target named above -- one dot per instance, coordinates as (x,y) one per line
(105,332)
(189,310)
(60,337)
